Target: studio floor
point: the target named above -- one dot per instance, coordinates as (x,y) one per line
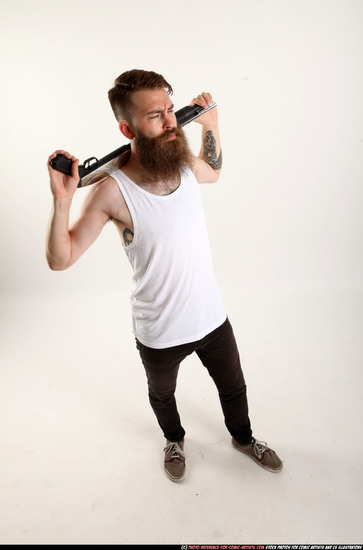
(81,453)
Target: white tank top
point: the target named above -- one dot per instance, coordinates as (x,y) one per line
(175,298)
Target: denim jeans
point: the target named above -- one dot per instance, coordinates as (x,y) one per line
(219,354)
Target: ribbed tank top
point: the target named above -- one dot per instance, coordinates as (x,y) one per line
(175,297)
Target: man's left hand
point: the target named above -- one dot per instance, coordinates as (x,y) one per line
(204,99)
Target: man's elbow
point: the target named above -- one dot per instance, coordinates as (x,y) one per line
(215,169)
(214,175)
(56,265)
(217,174)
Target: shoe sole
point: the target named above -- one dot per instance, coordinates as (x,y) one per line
(268,468)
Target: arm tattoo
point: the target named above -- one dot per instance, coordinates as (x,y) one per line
(127,236)
(210,151)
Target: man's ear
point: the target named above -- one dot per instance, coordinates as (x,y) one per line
(126,130)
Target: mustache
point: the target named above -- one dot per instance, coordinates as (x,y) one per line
(177,132)
(160,140)
(158,143)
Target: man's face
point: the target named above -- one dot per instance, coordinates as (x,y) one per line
(161,147)
(153,112)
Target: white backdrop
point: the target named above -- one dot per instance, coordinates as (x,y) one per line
(285,217)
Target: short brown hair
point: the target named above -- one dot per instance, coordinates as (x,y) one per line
(129,82)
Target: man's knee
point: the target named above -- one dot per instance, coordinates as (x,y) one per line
(161,394)
(231,392)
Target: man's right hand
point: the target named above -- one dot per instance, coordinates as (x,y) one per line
(62,186)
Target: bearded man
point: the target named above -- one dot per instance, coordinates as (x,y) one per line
(154,201)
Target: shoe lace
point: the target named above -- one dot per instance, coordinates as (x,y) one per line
(260,447)
(174,450)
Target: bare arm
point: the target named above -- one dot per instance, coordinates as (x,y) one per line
(64,244)
(208,164)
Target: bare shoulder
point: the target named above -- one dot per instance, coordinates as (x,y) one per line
(104,190)
(106,196)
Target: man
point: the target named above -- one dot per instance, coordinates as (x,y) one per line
(154,202)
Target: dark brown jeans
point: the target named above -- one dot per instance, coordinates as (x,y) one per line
(219,354)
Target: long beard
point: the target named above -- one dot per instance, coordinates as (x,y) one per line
(162,159)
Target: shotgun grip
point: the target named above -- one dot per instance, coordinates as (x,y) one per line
(62,164)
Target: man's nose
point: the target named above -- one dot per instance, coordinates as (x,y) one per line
(169,121)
